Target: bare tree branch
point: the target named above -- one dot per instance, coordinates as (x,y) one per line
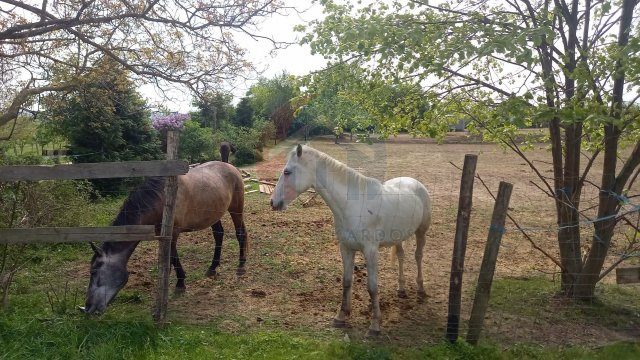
(522,231)
(193,44)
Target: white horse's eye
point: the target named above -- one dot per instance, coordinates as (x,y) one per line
(287,172)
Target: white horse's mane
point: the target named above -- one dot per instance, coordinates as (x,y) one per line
(337,167)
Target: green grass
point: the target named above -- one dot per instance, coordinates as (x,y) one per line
(30,329)
(43,322)
(103,211)
(615,306)
(77,337)
(523,296)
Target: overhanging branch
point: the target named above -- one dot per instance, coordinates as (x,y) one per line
(477,81)
(12,111)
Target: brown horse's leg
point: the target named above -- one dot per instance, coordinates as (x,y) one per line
(218,236)
(175,261)
(241,235)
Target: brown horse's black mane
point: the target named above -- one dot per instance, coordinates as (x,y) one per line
(140,201)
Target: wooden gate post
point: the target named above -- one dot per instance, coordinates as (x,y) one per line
(166,233)
(488,267)
(460,246)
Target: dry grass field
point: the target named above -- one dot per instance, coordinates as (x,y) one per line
(294,267)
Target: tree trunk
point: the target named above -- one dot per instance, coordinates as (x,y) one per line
(611,187)
(214,118)
(568,203)
(601,241)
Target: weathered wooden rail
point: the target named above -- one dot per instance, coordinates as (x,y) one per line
(77,234)
(169,168)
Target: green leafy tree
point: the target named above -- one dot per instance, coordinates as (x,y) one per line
(346,96)
(196,143)
(214,109)
(268,95)
(18,134)
(246,141)
(332,100)
(503,65)
(244,114)
(271,99)
(104,120)
(45,134)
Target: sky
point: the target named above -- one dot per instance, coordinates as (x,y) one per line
(295,59)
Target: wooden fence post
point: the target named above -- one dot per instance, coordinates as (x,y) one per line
(485,278)
(460,245)
(166,232)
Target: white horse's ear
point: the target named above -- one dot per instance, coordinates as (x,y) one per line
(299,150)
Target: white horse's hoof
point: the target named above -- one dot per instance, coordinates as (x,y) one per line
(340,324)
(374,333)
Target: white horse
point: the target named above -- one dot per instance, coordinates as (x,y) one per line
(367,214)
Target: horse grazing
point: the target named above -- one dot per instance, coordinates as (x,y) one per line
(225,149)
(367,214)
(205,193)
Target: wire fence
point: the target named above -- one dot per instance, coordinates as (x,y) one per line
(294,269)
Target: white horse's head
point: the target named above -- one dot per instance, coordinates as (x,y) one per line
(297,177)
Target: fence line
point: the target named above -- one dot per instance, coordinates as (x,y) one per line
(169,168)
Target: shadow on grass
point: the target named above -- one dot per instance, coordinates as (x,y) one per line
(615,307)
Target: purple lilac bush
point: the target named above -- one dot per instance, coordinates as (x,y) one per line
(173,121)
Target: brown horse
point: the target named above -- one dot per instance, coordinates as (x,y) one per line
(205,193)
(225,149)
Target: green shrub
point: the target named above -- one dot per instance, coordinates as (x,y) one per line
(28,204)
(247,141)
(266,130)
(196,143)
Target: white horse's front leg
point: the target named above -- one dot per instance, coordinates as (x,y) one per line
(371,257)
(348,258)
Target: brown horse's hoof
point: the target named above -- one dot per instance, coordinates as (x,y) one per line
(373,333)
(241,271)
(211,274)
(402,294)
(339,324)
(180,290)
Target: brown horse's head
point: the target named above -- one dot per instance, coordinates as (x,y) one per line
(109,263)
(108,275)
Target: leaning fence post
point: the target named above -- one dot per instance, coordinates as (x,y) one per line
(460,245)
(488,267)
(166,232)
